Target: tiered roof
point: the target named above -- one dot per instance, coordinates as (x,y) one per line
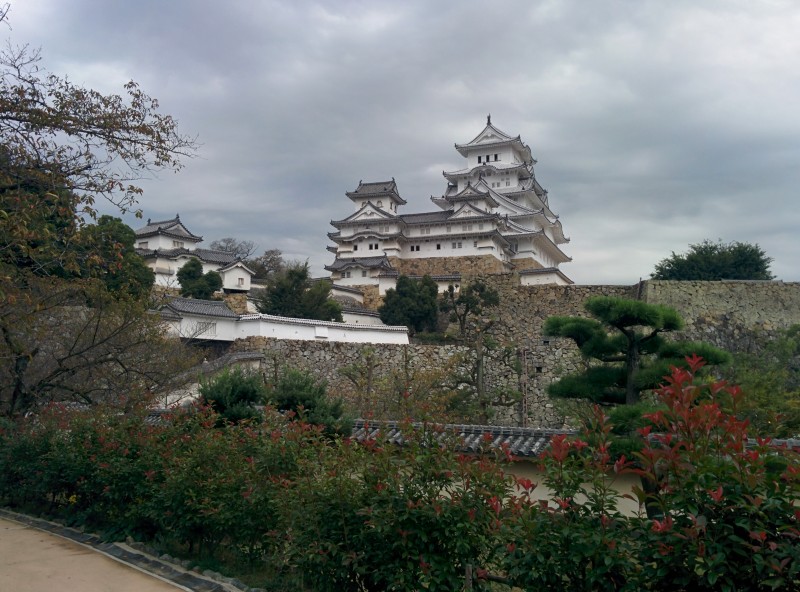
(172,228)
(490,136)
(375,190)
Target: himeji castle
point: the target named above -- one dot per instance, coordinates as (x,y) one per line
(494,217)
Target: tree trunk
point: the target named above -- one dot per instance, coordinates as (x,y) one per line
(631,367)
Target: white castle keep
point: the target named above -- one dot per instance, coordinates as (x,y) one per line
(494,217)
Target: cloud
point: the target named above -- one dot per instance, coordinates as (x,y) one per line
(656,125)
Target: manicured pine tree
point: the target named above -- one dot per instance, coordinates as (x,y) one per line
(626,338)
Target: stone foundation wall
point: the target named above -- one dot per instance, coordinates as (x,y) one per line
(236,302)
(732,315)
(372,297)
(467,265)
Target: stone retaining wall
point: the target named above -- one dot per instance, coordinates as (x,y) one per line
(732,315)
(467,265)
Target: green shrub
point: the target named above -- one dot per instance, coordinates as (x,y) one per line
(234,394)
(300,393)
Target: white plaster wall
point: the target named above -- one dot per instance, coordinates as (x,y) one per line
(540,279)
(227,329)
(355,318)
(163,242)
(230,279)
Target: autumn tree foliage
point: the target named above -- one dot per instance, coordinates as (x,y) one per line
(73,321)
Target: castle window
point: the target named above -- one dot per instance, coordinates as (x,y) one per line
(466,227)
(508,183)
(474,243)
(364,273)
(346,274)
(459,244)
(480,226)
(142,245)
(538,369)
(479,160)
(355,247)
(241,281)
(438,246)
(449,228)
(177,244)
(495,157)
(380,204)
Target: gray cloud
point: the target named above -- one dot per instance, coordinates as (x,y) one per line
(655,124)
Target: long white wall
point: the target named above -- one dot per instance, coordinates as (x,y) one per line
(261,325)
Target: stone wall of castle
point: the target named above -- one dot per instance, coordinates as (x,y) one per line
(467,265)
(732,315)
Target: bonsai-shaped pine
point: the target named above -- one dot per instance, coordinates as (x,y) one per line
(195,283)
(626,337)
(301,393)
(234,394)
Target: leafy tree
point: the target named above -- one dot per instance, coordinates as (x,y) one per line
(300,392)
(237,248)
(716,261)
(72,341)
(412,303)
(62,148)
(73,145)
(468,302)
(234,394)
(109,254)
(195,283)
(481,330)
(266,264)
(626,338)
(291,293)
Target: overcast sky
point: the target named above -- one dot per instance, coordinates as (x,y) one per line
(655,124)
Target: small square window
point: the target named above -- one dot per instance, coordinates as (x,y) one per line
(546,342)
(538,369)
(459,244)
(364,273)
